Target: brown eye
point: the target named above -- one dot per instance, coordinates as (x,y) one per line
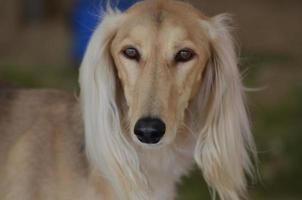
(184,55)
(131,53)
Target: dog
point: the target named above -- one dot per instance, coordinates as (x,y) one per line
(160,91)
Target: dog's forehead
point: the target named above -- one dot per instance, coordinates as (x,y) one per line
(146,30)
(159,25)
(169,20)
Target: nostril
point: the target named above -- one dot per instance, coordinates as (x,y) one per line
(149,130)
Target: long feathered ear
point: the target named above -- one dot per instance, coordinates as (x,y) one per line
(106,146)
(225,143)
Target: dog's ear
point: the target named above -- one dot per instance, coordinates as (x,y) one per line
(106,146)
(225,142)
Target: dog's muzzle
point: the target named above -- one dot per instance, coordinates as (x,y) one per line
(149,130)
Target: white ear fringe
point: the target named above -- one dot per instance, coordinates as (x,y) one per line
(225,142)
(106,146)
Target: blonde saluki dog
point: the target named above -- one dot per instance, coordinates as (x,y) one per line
(160,91)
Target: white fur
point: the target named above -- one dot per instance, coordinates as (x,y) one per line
(222,148)
(106,146)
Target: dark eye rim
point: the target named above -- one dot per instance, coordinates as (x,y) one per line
(179,59)
(136,57)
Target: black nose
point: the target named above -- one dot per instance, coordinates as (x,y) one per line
(149,130)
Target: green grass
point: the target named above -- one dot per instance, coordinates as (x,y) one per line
(193,187)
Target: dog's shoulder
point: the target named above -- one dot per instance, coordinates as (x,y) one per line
(32,99)
(22,105)
(39,131)
(42,95)
(40,116)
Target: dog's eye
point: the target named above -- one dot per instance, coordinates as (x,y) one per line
(184,55)
(131,53)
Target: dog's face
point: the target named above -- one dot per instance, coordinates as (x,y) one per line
(160,58)
(176,68)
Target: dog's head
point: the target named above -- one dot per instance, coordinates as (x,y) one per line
(156,67)
(159,56)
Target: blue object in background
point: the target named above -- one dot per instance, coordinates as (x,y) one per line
(85,17)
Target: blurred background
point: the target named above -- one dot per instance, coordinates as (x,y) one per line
(42,43)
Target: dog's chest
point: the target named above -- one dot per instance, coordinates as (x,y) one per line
(164,168)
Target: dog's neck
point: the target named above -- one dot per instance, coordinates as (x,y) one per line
(164,167)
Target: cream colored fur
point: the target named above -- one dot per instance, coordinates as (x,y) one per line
(47,153)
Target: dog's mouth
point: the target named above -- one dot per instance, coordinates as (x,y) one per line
(149,140)
(149,130)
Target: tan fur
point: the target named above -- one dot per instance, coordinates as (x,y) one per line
(40,146)
(48,152)
(157,86)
